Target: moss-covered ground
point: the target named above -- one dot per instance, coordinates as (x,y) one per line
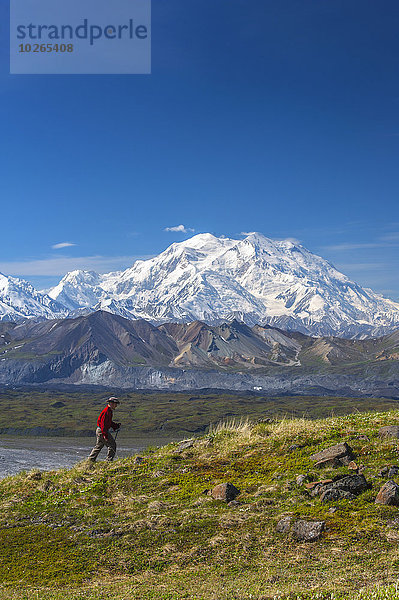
(150,530)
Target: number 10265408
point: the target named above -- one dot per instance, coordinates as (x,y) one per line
(45,48)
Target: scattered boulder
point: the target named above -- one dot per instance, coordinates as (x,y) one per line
(308,531)
(389,431)
(353,466)
(333,495)
(344,488)
(284,525)
(328,462)
(388,494)
(338,455)
(303,531)
(314,484)
(225,491)
(356,484)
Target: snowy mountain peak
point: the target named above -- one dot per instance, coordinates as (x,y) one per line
(20,300)
(209,278)
(79,289)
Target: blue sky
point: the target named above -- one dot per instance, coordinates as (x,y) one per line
(279,117)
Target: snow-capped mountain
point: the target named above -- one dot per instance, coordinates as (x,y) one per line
(20,300)
(255,279)
(79,289)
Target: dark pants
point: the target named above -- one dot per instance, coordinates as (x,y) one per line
(101,442)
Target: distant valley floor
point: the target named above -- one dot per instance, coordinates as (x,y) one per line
(72,412)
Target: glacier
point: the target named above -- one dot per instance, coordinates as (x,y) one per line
(214,279)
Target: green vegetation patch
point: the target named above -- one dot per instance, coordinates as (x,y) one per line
(39,555)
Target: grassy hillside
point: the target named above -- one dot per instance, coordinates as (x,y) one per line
(150,530)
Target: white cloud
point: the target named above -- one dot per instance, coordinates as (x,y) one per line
(247,233)
(293,241)
(354,267)
(181,228)
(59,266)
(62,245)
(389,240)
(390,237)
(352,246)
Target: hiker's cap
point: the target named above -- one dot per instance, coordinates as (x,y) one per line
(113,399)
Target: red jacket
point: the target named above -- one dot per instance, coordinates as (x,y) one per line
(105,422)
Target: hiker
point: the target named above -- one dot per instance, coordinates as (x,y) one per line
(104,424)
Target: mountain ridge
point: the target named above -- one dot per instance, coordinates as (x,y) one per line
(210,279)
(109,350)
(267,282)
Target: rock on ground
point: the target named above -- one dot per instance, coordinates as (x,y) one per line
(388,494)
(284,525)
(389,431)
(303,531)
(308,531)
(340,454)
(334,495)
(347,487)
(225,491)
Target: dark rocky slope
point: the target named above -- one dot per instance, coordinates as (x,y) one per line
(106,349)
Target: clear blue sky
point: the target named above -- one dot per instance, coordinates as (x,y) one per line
(260,115)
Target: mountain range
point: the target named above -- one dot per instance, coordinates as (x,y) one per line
(255,280)
(109,350)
